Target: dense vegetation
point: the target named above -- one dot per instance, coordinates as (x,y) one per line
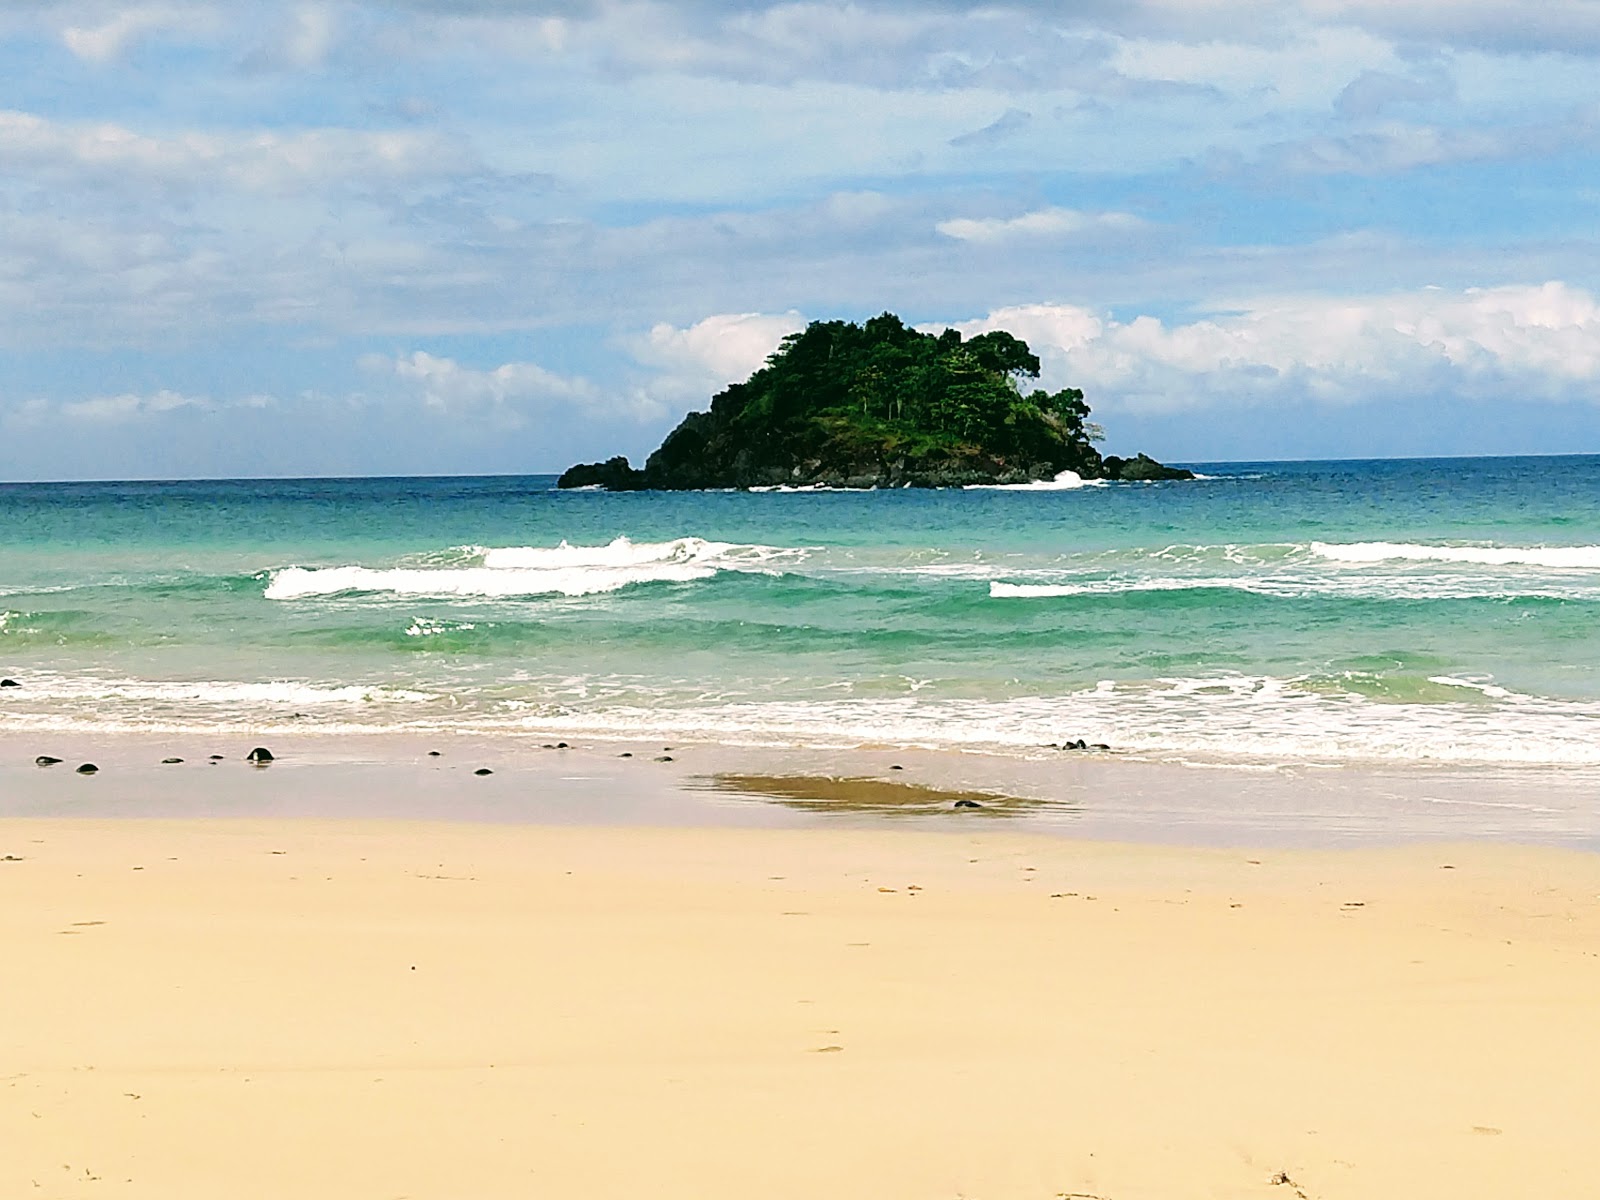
(875,404)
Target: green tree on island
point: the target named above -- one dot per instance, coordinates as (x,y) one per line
(879,404)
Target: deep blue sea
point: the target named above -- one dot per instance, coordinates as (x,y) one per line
(1443,611)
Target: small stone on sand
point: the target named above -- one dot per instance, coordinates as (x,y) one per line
(663,758)
(260,756)
(169,761)
(483,771)
(87,769)
(46,760)
(9,683)
(433,754)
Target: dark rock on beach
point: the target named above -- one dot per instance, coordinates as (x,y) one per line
(967,804)
(483,771)
(87,769)
(170,761)
(9,683)
(46,760)
(260,756)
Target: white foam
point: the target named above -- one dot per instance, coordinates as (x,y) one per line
(208,694)
(1557,557)
(564,570)
(428,627)
(1066,481)
(1229,719)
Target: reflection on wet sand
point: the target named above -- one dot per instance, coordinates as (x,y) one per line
(827,793)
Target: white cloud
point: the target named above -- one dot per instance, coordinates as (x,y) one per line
(1041,223)
(714,352)
(264,161)
(113,36)
(1541,340)
(688,366)
(311,35)
(509,394)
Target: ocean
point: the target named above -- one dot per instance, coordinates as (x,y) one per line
(1400,611)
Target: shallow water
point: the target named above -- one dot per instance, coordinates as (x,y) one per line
(1439,611)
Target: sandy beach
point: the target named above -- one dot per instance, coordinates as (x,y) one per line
(277,1006)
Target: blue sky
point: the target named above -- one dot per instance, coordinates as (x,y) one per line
(463,236)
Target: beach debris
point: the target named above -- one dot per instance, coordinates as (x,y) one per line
(483,771)
(663,758)
(10,858)
(967,804)
(261,756)
(169,761)
(9,683)
(87,769)
(46,760)
(827,1050)
(1281,1179)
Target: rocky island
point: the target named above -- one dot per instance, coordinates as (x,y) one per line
(880,405)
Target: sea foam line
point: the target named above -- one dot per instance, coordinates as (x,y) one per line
(1558,557)
(567,570)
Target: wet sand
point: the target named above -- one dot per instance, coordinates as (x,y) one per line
(275,1005)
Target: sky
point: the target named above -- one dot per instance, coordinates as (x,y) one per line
(486,236)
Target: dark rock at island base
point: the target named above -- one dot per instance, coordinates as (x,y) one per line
(1141,468)
(967,804)
(614,475)
(46,760)
(9,683)
(261,756)
(87,769)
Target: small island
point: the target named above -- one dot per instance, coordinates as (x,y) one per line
(880,405)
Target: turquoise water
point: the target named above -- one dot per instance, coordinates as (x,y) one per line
(1437,610)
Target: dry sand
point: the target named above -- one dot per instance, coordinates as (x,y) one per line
(241,1008)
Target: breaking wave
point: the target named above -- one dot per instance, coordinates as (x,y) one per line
(565,570)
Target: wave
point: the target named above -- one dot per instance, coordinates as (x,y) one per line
(1414,715)
(1066,481)
(1284,588)
(1228,719)
(566,570)
(1557,557)
(206,694)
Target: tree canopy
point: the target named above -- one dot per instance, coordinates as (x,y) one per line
(875,403)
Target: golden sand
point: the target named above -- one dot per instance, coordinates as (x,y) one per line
(347,1010)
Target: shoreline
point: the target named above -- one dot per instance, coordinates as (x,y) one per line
(1096,797)
(271,1006)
